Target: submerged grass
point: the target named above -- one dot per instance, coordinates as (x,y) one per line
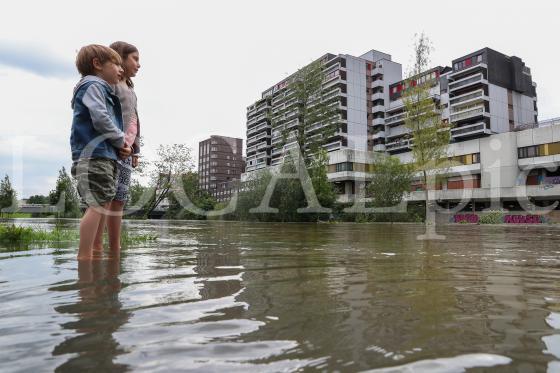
(15,238)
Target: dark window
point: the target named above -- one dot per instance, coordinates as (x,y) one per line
(346,166)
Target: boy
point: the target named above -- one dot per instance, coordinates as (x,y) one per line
(96,136)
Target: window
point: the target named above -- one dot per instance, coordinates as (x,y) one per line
(345,166)
(214,148)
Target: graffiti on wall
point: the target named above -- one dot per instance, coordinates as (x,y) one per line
(508,219)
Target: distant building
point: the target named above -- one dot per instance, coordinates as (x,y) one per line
(220,164)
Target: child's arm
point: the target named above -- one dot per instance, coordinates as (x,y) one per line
(94,100)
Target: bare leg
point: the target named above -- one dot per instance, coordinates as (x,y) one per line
(88,229)
(98,241)
(114,222)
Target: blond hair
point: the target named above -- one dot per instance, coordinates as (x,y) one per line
(84,59)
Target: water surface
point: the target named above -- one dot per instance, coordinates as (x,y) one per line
(228,296)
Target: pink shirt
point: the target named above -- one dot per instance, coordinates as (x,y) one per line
(131,131)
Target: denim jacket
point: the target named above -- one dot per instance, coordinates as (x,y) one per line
(97,126)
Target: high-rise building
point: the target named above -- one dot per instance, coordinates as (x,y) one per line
(483,93)
(359,87)
(220,164)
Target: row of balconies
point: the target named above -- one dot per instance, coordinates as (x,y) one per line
(257,129)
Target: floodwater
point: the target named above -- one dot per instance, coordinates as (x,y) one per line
(229,296)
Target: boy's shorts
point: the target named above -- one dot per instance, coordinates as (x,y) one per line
(96,178)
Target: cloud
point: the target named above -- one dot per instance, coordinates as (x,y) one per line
(35,59)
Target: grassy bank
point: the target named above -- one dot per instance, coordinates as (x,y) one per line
(15,238)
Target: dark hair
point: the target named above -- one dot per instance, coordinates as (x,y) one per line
(124,49)
(86,55)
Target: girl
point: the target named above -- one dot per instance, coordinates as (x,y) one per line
(124,90)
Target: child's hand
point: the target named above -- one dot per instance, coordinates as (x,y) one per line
(134,161)
(125,151)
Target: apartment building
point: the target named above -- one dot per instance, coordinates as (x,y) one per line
(483,93)
(358,86)
(220,164)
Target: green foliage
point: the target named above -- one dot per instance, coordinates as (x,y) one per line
(288,195)
(250,196)
(135,191)
(390,181)
(324,189)
(491,217)
(199,197)
(317,116)
(65,186)
(15,238)
(128,239)
(38,199)
(171,163)
(8,196)
(430,136)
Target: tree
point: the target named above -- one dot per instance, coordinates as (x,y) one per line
(324,189)
(38,199)
(199,197)
(391,179)
(430,135)
(314,116)
(65,189)
(172,162)
(250,196)
(8,196)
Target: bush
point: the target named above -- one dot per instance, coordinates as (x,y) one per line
(492,217)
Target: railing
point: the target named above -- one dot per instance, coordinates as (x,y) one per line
(467,81)
(467,97)
(459,109)
(397,145)
(467,129)
(396,118)
(470,113)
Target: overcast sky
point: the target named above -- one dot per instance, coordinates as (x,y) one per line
(203,64)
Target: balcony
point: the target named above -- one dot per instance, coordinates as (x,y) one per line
(257,129)
(396,146)
(471,80)
(332,146)
(468,98)
(379,148)
(264,135)
(377,70)
(378,96)
(251,149)
(262,145)
(477,111)
(332,94)
(396,119)
(376,135)
(377,83)
(378,108)
(468,70)
(397,131)
(471,130)
(378,122)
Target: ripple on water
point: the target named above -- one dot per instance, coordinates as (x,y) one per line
(450,364)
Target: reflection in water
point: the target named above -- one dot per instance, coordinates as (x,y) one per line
(98,313)
(224,296)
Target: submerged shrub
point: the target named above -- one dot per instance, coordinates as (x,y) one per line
(492,217)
